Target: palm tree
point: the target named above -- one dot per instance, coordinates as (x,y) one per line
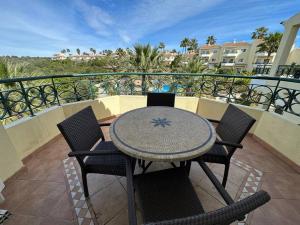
(194,66)
(161,46)
(78,51)
(9,69)
(260,33)
(93,50)
(4,74)
(120,52)
(184,44)
(193,44)
(145,57)
(271,43)
(63,51)
(211,40)
(67,50)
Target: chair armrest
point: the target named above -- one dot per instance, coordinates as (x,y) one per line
(93,153)
(213,121)
(104,124)
(230,144)
(225,215)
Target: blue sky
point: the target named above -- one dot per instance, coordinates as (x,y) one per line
(43,27)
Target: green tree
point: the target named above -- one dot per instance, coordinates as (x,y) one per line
(107,51)
(78,51)
(176,64)
(193,44)
(259,33)
(161,46)
(145,58)
(68,50)
(194,66)
(93,50)
(270,43)
(184,44)
(120,52)
(4,74)
(63,51)
(211,40)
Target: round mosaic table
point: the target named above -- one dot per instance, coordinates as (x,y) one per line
(162,134)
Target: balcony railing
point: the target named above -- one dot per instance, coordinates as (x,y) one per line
(291,71)
(227,64)
(20,97)
(260,68)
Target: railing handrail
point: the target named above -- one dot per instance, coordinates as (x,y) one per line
(33,78)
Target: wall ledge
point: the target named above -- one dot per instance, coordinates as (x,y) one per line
(278,154)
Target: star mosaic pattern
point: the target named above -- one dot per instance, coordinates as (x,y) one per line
(161,122)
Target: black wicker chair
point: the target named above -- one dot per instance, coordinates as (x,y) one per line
(160,99)
(167,198)
(231,129)
(86,140)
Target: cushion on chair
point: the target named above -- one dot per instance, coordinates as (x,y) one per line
(166,194)
(106,164)
(216,154)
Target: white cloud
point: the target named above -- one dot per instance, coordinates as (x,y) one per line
(96,18)
(150,16)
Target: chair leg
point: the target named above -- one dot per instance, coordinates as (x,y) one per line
(146,167)
(84,182)
(225,176)
(188,166)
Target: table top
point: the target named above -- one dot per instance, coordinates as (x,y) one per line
(162,134)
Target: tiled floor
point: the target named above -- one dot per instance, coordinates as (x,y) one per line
(39,194)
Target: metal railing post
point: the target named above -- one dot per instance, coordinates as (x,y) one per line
(230,91)
(143,84)
(27,102)
(272,99)
(5,105)
(55,91)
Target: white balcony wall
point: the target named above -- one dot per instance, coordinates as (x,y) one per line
(23,137)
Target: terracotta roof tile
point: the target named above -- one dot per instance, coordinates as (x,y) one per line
(232,44)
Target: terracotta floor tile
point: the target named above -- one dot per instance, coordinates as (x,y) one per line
(23,220)
(207,185)
(282,185)
(16,192)
(37,194)
(209,202)
(55,221)
(97,182)
(108,202)
(278,212)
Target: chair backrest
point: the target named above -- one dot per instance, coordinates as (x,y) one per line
(81,130)
(234,125)
(160,99)
(225,215)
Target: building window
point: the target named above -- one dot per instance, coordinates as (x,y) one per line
(230,60)
(213,60)
(215,51)
(230,51)
(204,52)
(243,50)
(241,60)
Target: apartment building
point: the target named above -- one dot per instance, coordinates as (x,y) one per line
(235,55)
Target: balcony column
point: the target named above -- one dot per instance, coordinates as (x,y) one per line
(10,162)
(291,28)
